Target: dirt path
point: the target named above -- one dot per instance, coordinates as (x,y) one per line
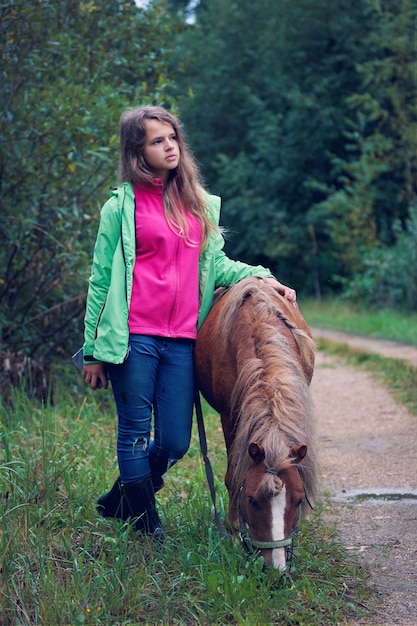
(367,444)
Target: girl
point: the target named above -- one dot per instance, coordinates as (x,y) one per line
(157,260)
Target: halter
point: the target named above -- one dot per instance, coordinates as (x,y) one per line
(250,543)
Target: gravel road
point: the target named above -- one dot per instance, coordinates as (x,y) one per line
(367,445)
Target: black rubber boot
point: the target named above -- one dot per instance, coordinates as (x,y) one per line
(140,497)
(158,483)
(113,503)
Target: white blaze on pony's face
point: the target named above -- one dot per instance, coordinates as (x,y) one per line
(278,506)
(269,503)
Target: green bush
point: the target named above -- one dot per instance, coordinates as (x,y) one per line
(69,69)
(390,276)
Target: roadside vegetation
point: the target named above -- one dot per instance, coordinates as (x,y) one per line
(341,314)
(398,375)
(63,564)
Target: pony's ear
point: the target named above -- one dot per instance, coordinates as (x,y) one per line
(297,453)
(256,452)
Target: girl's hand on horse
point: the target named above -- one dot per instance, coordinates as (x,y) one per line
(94,372)
(287,292)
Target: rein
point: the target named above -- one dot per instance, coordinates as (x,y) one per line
(207,465)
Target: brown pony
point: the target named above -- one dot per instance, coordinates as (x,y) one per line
(254,362)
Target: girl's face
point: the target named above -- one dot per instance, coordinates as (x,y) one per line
(161,151)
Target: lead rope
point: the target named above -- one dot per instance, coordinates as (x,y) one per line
(207,464)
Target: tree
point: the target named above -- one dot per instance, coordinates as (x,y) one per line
(266,104)
(375,184)
(389,273)
(68,71)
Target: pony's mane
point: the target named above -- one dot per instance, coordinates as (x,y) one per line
(271,397)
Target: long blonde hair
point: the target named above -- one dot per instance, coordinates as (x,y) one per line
(183,190)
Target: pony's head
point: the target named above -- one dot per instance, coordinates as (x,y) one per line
(269,505)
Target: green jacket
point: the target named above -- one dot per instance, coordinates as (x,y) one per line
(110,285)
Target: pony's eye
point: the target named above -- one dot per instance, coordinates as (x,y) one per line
(252,501)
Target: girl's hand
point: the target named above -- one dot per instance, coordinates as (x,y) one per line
(287,292)
(94,372)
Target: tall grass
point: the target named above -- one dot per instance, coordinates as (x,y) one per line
(399,376)
(61,563)
(356,319)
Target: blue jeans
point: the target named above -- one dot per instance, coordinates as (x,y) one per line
(157,377)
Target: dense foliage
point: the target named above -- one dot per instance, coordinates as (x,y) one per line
(68,71)
(303,117)
(373,191)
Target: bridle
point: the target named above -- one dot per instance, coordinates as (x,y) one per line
(249,544)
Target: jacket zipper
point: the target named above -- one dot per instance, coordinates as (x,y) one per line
(176,285)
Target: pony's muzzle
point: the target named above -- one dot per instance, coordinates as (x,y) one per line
(275,559)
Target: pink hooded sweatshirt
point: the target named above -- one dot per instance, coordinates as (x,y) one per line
(165,298)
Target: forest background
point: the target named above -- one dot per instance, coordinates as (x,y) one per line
(303,116)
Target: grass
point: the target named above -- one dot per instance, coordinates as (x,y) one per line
(397,375)
(63,564)
(340,315)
